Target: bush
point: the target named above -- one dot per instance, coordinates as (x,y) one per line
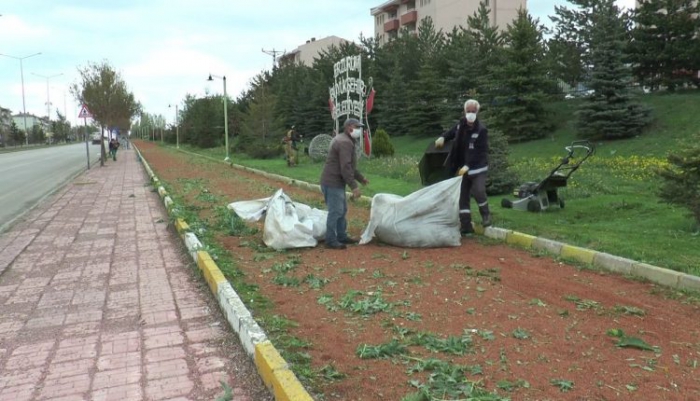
(501,179)
(682,181)
(264,151)
(381,144)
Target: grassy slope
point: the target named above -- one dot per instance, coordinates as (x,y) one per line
(611,201)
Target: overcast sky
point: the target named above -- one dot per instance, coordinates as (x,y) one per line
(165,49)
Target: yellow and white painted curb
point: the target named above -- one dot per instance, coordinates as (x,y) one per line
(272,368)
(605,261)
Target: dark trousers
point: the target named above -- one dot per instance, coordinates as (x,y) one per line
(472,185)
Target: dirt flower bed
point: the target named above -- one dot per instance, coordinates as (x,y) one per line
(483,321)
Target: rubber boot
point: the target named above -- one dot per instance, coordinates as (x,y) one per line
(485,216)
(465,222)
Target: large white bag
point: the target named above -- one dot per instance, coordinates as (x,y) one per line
(288,224)
(424,219)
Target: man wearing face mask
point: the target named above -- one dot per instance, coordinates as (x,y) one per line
(469,158)
(341,170)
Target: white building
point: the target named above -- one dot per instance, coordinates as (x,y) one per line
(306,53)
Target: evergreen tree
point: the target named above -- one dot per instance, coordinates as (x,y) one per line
(488,44)
(460,77)
(600,27)
(500,179)
(394,103)
(681,180)
(38,136)
(563,61)
(16,135)
(260,131)
(520,81)
(425,98)
(665,47)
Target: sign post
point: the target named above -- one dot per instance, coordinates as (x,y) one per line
(348,94)
(85,114)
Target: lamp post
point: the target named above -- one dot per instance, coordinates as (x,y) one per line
(177,128)
(48,98)
(24,106)
(227,159)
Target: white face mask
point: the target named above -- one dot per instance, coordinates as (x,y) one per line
(356,133)
(471,117)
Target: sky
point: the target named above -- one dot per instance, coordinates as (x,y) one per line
(165,49)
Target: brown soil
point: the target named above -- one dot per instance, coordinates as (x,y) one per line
(479,288)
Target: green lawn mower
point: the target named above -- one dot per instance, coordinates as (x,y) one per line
(539,196)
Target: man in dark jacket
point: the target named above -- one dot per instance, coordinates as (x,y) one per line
(341,170)
(469,158)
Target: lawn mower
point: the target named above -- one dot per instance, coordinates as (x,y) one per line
(539,196)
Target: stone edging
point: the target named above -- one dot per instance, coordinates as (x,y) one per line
(272,368)
(605,261)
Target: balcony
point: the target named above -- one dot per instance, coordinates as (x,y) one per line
(409,18)
(392,25)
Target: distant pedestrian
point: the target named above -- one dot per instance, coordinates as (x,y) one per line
(340,171)
(113,146)
(290,146)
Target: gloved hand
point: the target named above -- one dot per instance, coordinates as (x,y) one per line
(440,142)
(463,170)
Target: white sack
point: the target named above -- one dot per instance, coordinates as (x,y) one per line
(426,218)
(287,224)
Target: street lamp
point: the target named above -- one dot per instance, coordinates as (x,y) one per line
(48,98)
(227,159)
(177,128)
(24,106)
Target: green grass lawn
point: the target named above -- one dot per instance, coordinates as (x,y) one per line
(611,201)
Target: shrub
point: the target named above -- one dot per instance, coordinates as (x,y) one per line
(381,144)
(681,184)
(264,151)
(501,178)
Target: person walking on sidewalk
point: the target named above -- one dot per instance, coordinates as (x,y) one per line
(469,158)
(113,146)
(341,170)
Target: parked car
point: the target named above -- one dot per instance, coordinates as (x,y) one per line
(96,139)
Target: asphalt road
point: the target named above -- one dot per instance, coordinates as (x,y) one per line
(27,177)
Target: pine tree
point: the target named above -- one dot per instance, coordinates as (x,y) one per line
(16,135)
(500,179)
(521,80)
(425,98)
(665,47)
(601,29)
(395,93)
(487,52)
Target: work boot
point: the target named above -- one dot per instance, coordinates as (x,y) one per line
(485,216)
(465,222)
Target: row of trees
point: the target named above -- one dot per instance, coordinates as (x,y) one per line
(106,95)
(422,79)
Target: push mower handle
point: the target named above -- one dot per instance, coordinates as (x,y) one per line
(585,145)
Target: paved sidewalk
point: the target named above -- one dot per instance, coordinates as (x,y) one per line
(98,302)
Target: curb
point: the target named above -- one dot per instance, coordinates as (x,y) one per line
(605,261)
(272,368)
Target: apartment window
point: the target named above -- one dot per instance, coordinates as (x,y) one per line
(423,3)
(411,5)
(392,15)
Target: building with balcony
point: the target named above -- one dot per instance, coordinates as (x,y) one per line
(392,16)
(306,53)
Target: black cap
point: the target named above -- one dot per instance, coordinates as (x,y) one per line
(354,122)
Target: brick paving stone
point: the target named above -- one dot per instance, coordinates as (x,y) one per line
(99,303)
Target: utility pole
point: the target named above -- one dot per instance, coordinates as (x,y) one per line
(274,54)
